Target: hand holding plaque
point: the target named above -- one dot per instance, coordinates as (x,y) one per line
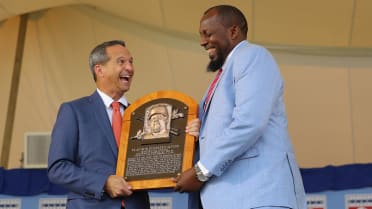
(154,146)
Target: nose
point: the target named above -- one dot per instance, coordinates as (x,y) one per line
(203,41)
(129,67)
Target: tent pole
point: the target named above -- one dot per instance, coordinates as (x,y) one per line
(12,102)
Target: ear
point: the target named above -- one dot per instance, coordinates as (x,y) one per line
(234,32)
(98,70)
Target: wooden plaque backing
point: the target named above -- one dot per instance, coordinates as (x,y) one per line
(133,140)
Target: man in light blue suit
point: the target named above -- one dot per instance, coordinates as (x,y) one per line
(246,158)
(83,151)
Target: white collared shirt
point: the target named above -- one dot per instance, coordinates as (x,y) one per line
(107,100)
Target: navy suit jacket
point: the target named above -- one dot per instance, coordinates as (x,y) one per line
(83,153)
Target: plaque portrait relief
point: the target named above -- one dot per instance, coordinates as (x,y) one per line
(154,146)
(157,122)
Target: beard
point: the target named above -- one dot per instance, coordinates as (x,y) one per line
(216,64)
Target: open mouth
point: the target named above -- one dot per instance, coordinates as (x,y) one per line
(125,78)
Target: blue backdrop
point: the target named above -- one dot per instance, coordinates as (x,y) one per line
(330,185)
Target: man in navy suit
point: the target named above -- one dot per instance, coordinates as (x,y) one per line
(83,152)
(246,158)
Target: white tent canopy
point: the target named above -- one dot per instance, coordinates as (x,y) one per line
(317,23)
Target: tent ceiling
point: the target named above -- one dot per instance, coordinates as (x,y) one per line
(316,23)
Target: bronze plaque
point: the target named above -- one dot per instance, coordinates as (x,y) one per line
(153,145)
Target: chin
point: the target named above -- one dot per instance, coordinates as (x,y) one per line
(214,65)
(125,89)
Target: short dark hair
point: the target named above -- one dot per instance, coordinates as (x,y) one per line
(99,55)
(230,15)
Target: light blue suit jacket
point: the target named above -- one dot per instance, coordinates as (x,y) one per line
(83,154)
(244,140)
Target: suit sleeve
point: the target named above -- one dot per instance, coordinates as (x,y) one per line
(63,160)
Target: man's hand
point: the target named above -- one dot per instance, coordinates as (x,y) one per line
(193,127)
(187,182)
(116,186)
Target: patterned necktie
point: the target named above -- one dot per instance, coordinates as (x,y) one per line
(211,88)
(116,121)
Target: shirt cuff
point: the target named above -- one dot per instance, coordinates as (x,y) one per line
(203,169)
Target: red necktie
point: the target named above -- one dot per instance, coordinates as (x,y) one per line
(211,88)
(116,121)
(116,127)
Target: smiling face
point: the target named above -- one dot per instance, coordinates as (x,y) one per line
(216,39)
(115,76)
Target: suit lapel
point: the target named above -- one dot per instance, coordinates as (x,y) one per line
(210,100)
(102,119)
(226,67)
